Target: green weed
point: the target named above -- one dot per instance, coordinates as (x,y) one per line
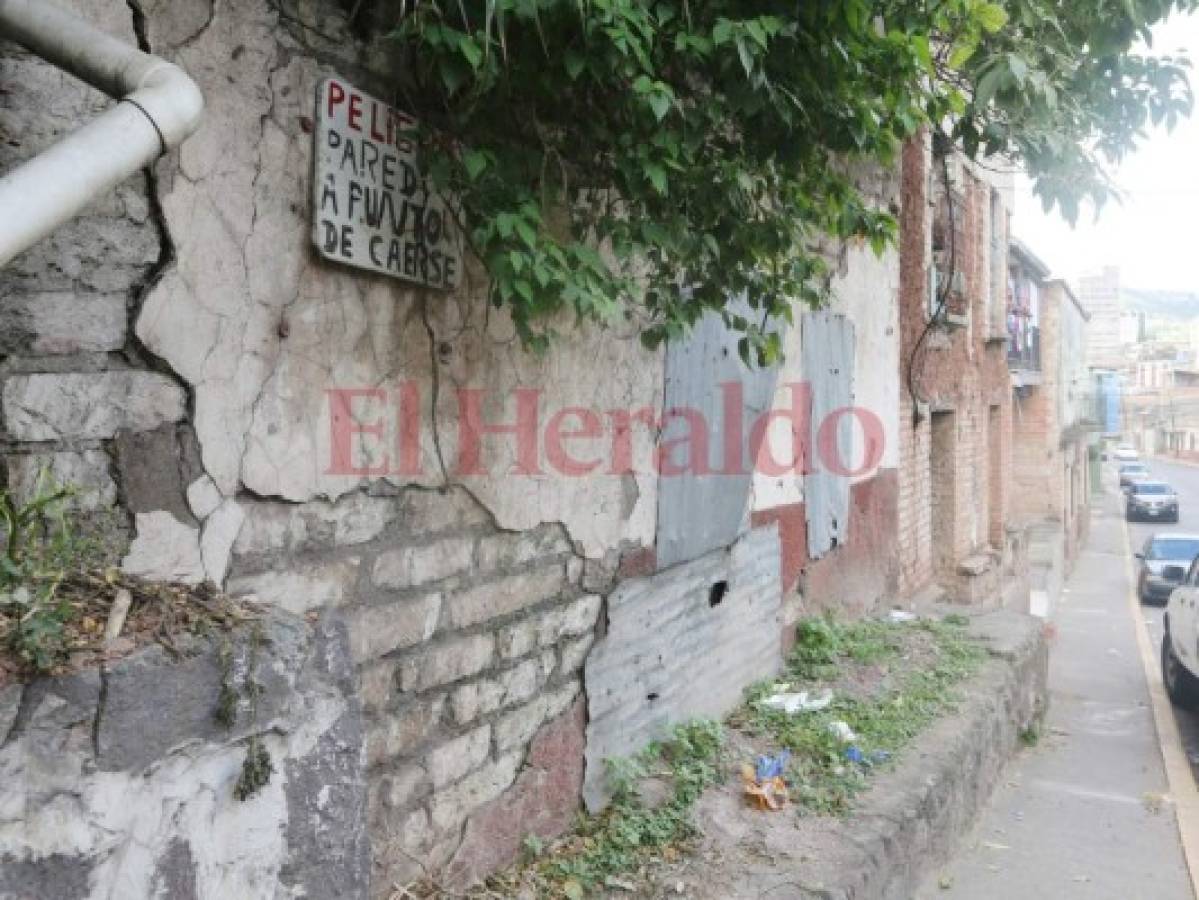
(822,778)
(823,645)
(631,832)
(628,831)
(41,549)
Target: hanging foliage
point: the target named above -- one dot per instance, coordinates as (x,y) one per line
(652,159)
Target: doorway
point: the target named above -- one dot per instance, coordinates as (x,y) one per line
(943,489)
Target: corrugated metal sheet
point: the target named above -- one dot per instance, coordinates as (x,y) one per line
(696,512)
(669,656)
(828,358)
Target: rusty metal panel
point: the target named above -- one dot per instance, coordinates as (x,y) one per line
(698,512)
(677,649)
(828,359)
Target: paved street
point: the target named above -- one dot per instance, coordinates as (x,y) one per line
(1185,480)
(1084,814)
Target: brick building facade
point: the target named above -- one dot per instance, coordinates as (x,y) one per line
(1036,456)
(1052,414)
(955,401)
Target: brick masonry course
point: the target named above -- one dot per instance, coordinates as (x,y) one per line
(960,488)
(467,641)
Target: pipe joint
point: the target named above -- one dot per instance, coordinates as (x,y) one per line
(172,101)
(162,107)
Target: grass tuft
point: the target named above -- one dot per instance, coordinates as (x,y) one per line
(913,671)
(821,778)
(42,551)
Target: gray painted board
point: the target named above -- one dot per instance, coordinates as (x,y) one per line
(670,655)
(700,512)
(828,359)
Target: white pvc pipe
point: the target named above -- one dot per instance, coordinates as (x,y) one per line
(160,106)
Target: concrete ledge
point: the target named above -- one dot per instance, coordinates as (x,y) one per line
(908,823)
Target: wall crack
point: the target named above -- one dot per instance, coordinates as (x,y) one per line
(435,391)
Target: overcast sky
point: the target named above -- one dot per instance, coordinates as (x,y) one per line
(1153,235)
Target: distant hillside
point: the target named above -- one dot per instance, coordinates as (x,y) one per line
(1181,305)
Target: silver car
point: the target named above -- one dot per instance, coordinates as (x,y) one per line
(1130,472)
(1151,500)
(1162,563)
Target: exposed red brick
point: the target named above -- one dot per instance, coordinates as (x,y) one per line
(637,563)
(541,802)
(853,576)
(963,372)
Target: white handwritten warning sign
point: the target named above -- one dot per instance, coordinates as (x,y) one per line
(372,208)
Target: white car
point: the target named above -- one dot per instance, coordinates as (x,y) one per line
(1125,453)
(1180,644)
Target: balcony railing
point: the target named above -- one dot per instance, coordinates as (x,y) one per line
(1024,353)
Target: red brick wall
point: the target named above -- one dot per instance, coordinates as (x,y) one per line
(1040,469)
(1038,465)
(959,371)
(995,470)
(855,576)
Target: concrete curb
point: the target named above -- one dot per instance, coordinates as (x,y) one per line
(1174,758)
(909,822)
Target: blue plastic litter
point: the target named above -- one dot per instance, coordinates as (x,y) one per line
(771,766)
(854,754)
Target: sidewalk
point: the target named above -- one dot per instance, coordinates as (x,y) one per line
(1081,815)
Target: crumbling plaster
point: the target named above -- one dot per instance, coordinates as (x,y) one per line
(864,289)
(261,329)
(105,797)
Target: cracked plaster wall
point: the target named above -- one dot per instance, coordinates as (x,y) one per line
(860,572)
(173,352)
(105,797)
(865,290)
(203,272)
(260,328)
(170,352)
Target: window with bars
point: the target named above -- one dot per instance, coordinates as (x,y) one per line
(998,293)
(949,248)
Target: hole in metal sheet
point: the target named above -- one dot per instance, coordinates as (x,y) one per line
(716,593)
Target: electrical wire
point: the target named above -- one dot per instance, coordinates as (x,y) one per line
(942,148)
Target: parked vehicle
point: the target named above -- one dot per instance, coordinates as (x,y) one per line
(1130,472)
(1180,647)
(1126,453)
(1151,500)
(1164,551)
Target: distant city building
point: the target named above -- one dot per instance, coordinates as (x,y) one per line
(1109,390)
(1155,374)
(1132,328)
(1100,297)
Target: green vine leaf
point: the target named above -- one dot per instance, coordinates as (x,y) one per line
(991,16)
(474,162)
(710,148)
(660,103)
